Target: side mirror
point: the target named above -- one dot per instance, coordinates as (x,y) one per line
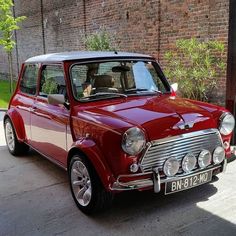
(56,99)
(174,87)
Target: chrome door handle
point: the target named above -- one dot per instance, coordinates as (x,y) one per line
(32,109)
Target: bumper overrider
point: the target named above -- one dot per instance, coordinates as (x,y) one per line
(201,148)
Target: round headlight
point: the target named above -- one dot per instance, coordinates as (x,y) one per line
(189,162)
(227,123)
(171,166)
(204,158)
(218,155)
(133,141)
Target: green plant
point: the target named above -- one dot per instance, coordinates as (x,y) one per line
(195,66)
(50,86)
(5,94)
(99,41)
(8,24)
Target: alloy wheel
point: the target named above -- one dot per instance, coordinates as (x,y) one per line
(81,183)
(10,137)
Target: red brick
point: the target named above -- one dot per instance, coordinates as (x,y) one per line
(135,25)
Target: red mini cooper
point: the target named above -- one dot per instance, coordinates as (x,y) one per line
(113,121)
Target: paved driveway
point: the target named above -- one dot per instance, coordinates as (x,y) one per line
(35,200)
(2,138)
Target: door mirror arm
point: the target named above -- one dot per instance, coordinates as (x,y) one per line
(67,105)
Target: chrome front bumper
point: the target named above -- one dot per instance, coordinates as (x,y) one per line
(155,180)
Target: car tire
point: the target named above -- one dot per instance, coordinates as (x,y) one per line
(87,190)
(15,147)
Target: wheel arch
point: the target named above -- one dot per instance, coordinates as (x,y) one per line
(17,123)
(93,155)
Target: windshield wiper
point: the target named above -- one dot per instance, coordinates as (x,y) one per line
(142,90)
(136,90)
(102,94)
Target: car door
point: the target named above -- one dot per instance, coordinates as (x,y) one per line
(49,123)
(25,96)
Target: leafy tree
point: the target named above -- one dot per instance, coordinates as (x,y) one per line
(8,23)
(195,66)
(99,41)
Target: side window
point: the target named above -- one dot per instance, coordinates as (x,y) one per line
(80,75)
(28,82)
(52,81)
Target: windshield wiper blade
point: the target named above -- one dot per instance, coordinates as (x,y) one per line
(156,91)
(136,90)
(142,90)
(101,94)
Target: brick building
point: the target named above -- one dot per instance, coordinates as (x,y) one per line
(146,26)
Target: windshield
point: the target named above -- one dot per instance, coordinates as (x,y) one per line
(116,78)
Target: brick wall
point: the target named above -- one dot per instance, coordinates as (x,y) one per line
(201,19)
(146,26)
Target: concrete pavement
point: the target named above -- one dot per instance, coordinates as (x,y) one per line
(2,138)
(35,200)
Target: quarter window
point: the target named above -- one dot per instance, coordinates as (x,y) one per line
(28,82)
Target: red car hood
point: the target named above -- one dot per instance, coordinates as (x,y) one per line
(159,116)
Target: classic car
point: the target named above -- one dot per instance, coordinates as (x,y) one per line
(112,120)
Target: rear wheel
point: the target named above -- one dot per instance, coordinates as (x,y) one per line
(86,187)
(14,146)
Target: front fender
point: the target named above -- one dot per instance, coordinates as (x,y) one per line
(89,148)
(17,122)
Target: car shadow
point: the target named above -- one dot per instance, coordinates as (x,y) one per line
(147,213)
(150,202)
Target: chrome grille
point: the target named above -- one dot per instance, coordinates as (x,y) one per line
(178,146)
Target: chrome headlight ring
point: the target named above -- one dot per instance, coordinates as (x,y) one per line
(133,141)
(227,123)
(171,166)
(218,155)
(204,158)
(189,162)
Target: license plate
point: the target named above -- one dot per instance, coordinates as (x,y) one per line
(188,182)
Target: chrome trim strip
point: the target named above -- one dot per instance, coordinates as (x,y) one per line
(156,180)
(187,135)
(224,165)
(130,186)
(148,145)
